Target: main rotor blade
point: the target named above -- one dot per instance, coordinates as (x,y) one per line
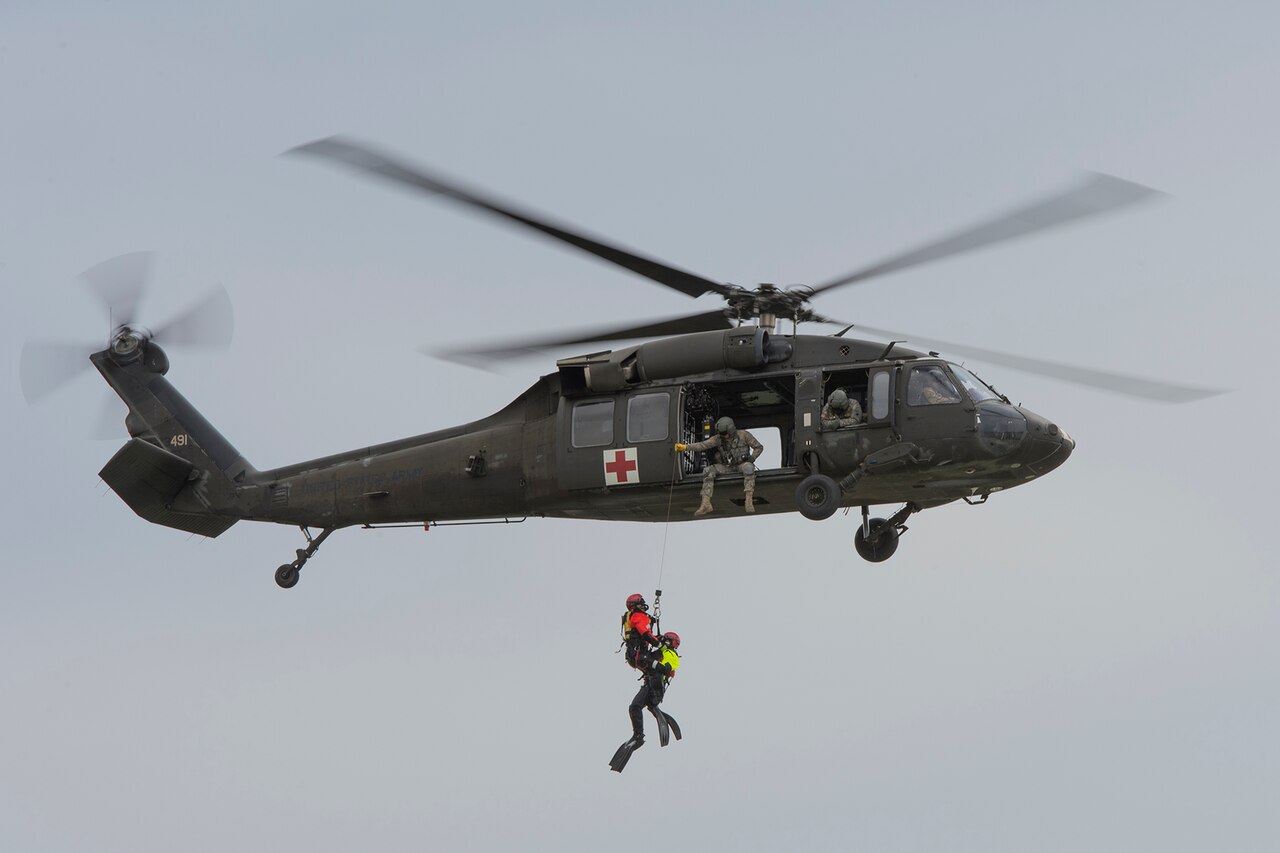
(1099,194)
(361,157)
(708,322)
(1119,383)
(120,283)
(45,366)
(208,323)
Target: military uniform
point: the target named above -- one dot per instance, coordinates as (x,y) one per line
(836,418)
(929,386)
(932,396)
(738,451)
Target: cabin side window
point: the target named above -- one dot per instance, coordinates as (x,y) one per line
(854,385)
(880,395)
(593,423)
(929,385)
(648,417)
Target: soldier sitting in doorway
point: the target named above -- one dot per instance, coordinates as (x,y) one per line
(738,450)
(840,411)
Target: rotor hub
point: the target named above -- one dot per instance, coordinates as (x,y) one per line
(127,342)
(769,300)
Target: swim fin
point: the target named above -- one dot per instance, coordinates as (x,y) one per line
(671,721)
(664,731)
(623,755)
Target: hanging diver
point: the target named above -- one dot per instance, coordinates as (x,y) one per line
(637,629)
(657,667)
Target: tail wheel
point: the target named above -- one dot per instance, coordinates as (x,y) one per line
(817,497)
(287,576)
(880,545)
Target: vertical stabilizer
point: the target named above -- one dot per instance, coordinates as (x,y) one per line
(177,470)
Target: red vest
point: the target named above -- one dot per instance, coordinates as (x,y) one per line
(635,626)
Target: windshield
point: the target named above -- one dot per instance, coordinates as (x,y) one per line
(975,387)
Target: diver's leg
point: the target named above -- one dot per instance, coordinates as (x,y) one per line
(636,712)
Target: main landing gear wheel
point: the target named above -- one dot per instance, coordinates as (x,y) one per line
(880,545)
(817,497)
(287,576)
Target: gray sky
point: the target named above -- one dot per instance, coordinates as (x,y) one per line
(1085,663)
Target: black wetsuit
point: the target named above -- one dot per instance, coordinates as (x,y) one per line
(651,694)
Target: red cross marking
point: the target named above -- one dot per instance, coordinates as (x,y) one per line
(620,465)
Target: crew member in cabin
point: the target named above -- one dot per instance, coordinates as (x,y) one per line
(736,450)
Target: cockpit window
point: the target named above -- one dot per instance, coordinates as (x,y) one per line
(975,387)
(929,385)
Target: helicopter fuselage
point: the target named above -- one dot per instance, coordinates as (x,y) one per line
(595,440)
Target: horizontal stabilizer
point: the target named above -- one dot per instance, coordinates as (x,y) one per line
(148,478)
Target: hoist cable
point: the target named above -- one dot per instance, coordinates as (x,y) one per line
(666,528)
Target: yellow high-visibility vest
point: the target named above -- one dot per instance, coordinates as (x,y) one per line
(671,659)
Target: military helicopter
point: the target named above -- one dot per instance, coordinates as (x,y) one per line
(594,439)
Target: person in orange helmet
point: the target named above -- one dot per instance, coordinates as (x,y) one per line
(637,631)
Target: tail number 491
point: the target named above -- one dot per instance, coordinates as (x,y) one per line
(180,440)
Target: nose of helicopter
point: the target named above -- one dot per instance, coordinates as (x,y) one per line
(1046,446)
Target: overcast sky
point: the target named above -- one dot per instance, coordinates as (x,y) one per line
(1086,663)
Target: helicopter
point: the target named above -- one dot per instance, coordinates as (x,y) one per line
(597,437)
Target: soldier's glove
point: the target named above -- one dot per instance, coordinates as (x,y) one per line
(681,448)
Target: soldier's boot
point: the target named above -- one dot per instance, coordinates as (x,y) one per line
(749,504)
(705,507)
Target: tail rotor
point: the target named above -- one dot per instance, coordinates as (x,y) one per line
(121,285)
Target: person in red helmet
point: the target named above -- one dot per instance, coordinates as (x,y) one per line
(637,631)
(658,669)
